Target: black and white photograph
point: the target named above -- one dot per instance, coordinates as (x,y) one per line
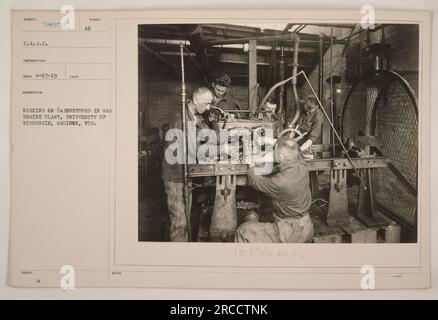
(237,150)
(278,133)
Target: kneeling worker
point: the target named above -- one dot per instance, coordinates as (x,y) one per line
(289,189)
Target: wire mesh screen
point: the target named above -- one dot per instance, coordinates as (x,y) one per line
(396,127)
(357,110)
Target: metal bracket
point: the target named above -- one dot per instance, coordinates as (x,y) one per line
(225,184)
(224,216)
(206,170)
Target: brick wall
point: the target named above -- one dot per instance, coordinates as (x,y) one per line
(160,97)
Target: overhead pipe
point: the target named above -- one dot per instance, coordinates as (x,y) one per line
(321,67)
(275,86)
(305,38)
(244,47)
(167,41)
(239,43)
(290,37)
(294,82)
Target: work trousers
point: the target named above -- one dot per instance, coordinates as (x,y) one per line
(175,206)
(297,229)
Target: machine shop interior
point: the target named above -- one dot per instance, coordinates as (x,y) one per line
(362,171)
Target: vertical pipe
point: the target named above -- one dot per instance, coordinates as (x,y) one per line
(321,67)
(141,107)
(184,122)
(281,71)
(383,65)
(140,121)
(274,57)
(321,79)
(332,112)
(252,75)
(294,80)
(148,116)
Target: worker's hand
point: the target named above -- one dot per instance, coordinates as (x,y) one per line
(263,164)
(261,160)
(306,145)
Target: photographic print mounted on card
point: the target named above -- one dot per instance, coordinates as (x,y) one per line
(150,149)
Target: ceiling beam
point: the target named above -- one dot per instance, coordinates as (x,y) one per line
(235,58)
(290,37)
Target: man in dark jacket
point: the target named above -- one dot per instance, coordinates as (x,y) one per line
(172,166)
